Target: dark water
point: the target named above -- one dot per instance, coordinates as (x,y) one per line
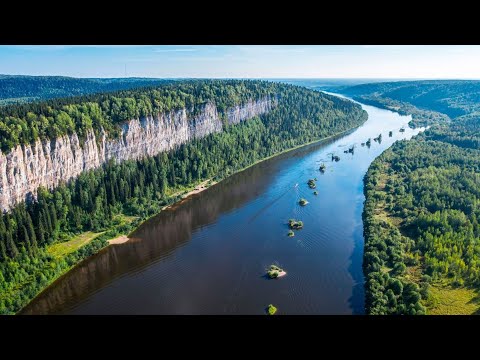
(208,255)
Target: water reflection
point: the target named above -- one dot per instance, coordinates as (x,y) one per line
(160,236)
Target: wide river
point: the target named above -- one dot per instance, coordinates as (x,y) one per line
(208,254)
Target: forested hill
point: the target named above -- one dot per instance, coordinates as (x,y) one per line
(422,210)
(428,100)
(43,238)
(22,88)
(25,123)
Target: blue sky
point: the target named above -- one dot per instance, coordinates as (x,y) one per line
(245,61)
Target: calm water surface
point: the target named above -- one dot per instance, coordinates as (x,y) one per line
(208,255)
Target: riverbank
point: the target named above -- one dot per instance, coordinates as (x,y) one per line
(204,185)
(420,117)
(118,240)
(436,285)
(114,236)
(62,249)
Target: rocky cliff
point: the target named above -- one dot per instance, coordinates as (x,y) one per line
(49,163)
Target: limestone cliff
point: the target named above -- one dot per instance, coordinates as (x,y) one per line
(49,163)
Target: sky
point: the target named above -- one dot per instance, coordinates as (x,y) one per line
(244,61)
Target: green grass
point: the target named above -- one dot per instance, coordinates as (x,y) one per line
(446,300)
(66,247)
(125,219)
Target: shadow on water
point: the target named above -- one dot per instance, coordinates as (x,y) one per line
(357,300)
(156,239)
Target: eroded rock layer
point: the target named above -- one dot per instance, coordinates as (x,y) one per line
(49,163)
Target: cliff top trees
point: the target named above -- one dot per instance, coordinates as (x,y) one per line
(25,123)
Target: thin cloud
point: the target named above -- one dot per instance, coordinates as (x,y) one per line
(182,49)
(277,49)
(391,47)
(41,47)
(68,47)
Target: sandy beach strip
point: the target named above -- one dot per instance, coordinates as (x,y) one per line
(119,240)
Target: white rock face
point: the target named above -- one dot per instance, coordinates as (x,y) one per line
(50,163)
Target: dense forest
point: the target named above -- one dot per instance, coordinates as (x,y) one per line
(16,89)
(429,102)
(25,123)
(453,98)
(97,199)
(422,211)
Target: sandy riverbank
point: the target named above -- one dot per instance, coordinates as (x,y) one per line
(198,189)
(118,240)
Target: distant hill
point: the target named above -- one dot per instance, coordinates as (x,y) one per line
(22,88)
(454,98)
(331,84)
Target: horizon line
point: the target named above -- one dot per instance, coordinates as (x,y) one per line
(249,78)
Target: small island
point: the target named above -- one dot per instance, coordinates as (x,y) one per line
(291,233)
(315,193)
(271,310)
(363,144)
(303,202)
(275,272)
(311,184)
(369,142)
(390,133)
(294,224)
(335,158)
(402,129)
(322,167)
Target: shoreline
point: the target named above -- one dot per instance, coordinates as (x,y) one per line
(200,187)
(118,240)
(206,184)
(295,148)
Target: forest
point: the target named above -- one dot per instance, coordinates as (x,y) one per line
(25,123)
(422,211)
(96,199)
(429,102)
(453,98)
(16,89)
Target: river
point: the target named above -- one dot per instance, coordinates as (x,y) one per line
(208,254)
